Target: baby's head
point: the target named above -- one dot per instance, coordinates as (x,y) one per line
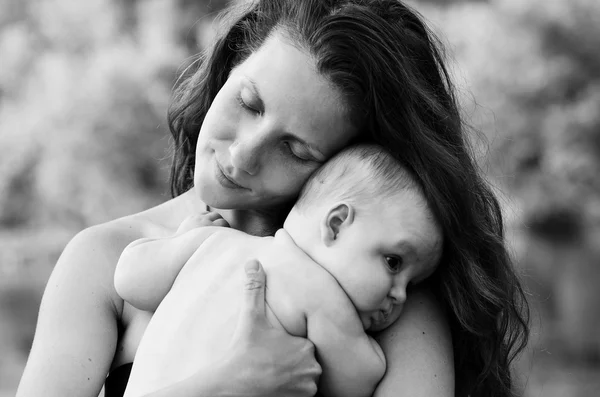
(364,218)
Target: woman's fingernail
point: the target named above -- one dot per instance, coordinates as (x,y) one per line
(251,267)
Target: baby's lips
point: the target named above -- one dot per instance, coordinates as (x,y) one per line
(376,319)
(366,321)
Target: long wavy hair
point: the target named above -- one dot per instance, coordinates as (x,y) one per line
(390,69)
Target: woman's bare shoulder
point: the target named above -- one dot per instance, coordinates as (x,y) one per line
(159,221)
(93,253)
(77,318)
(112,235)
(418,349)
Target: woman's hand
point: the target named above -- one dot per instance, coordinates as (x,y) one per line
(263,360)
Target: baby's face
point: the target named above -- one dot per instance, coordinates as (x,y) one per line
(382,252)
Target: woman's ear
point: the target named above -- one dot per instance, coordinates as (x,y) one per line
(338,217)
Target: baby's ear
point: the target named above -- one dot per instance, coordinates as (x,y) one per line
(338,217)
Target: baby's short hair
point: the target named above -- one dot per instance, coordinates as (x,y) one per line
(360,174)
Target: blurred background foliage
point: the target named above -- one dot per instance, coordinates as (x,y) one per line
(84,88)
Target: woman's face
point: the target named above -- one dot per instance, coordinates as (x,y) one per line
(272,124)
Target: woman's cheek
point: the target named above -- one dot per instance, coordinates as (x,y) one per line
(302,179)
(288,177)
(285,187)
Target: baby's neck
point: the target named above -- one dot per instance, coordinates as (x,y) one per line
(284,237)
(300,230)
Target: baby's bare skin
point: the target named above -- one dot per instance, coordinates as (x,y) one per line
(197,318)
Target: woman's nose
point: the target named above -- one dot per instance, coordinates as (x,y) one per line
(245,155)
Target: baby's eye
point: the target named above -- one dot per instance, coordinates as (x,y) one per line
(394,263)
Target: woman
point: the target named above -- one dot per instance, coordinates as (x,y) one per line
(288,84)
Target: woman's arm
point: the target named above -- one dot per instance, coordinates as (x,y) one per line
(418,349)
(76,332)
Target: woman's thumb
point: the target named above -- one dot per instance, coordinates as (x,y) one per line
(254,289)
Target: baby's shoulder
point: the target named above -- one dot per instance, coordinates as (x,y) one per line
(226,238)
(326,295)
(313,287)
(318,286)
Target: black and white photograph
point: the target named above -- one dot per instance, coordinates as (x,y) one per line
(337,198)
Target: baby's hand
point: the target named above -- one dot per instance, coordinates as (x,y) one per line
(208,218)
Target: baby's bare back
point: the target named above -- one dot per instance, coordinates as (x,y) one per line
(197,318)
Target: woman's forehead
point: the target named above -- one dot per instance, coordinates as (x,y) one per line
(295,95)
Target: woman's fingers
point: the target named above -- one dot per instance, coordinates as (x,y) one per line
(277,362)
(254,290)
(252,319)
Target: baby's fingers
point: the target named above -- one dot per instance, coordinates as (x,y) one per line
(200,220)
(220,222)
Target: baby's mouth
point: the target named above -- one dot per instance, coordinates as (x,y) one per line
(381,317)
(385,315)
(378,318)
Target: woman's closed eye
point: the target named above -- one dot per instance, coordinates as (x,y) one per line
(297,151)
(244,103)
(249,100)
(394,263)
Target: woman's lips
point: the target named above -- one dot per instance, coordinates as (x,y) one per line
(224,180)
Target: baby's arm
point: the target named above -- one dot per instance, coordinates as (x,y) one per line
(353,363)
(148,267)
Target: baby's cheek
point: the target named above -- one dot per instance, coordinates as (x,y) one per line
(368,297)
(380,285)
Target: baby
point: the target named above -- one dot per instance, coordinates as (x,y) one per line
(359,234)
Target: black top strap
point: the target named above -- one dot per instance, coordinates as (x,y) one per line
(116,382)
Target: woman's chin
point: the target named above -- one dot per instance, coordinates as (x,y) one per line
(209,199)
(212,195)
(214,201)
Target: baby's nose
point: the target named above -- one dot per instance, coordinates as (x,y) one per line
(398,294)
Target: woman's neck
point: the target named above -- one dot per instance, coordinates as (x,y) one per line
(253,222)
